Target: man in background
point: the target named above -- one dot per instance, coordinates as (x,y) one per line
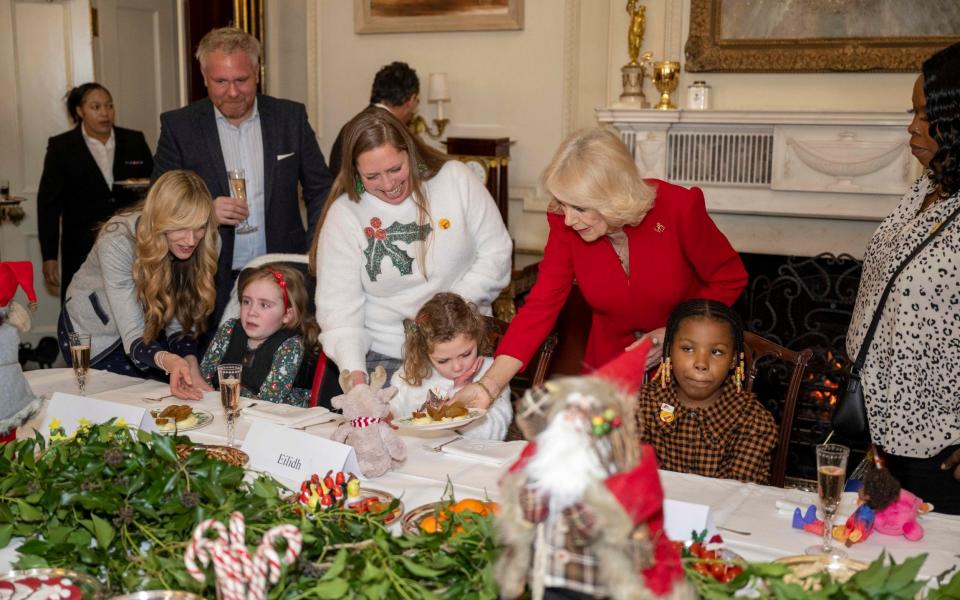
(268,138)
(395,88)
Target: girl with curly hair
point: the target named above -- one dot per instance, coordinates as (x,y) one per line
(441,354)
(146,289)
(910,375)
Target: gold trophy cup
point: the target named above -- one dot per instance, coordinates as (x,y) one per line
(666,76)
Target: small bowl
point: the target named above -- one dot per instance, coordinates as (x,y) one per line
(88,587)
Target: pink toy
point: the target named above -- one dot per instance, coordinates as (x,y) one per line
(900,518)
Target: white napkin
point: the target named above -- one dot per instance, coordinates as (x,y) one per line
(287,415)
(488,452)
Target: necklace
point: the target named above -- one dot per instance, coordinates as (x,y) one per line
(621,246)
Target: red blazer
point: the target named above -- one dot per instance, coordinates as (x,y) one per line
(676,253)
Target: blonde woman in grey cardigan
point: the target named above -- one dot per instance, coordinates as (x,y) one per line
(146,289)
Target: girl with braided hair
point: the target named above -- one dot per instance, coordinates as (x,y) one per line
(695,414)
(441,354)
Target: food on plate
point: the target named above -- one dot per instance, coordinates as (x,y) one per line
(342,490)
(431,413)
(434,521)
(173,417)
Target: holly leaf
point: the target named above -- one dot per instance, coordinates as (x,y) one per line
(339,563)
(6,532)
(334,588)
(103,531)
(28,512)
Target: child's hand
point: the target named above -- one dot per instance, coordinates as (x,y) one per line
(469,373)
(358,377)
(953,462)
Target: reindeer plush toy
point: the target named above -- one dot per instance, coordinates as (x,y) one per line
(366,408)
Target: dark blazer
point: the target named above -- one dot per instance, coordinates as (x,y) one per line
(73,190)
(189,140)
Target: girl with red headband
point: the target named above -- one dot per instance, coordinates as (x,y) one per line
(276,332)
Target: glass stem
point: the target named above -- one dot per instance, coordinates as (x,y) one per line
(827,531)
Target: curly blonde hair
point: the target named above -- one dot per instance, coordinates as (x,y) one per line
(166,286)
(303,321)
(593,169)
(442,318)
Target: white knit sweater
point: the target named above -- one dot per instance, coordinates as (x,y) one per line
(363,291)
(493,425)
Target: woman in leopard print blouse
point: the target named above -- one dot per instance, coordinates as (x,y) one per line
(911,377)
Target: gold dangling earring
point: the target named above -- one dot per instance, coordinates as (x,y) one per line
(664,372)
(739,374)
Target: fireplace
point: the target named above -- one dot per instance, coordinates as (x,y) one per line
(803,302)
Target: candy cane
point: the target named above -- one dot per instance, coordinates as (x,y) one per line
(267,563)
(238,545)
(200,547)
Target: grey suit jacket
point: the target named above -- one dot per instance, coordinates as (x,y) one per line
(189,140)
(102,299)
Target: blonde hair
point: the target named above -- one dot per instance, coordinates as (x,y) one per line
(442,318)
(168,287)
(303,321)
(228,40)
(372,128)
(593,169)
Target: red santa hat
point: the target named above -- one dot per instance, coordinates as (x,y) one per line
(15,274)
(627,369)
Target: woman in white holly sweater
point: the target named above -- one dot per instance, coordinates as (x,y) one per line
(405,223)
(440,356)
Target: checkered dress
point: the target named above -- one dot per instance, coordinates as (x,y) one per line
(733,439)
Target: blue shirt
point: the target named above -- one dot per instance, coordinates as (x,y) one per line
(242,148)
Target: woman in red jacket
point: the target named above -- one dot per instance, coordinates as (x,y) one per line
(635,247)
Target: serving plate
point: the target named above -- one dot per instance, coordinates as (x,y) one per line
(203,418)
(49,583)
(473,415)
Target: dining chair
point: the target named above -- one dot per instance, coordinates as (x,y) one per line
(496,329)
(761,352)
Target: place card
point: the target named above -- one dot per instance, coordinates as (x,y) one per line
(293,455)
(68,409)
(681,519)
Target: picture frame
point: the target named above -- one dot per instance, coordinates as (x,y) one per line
(723,38)
(406,16)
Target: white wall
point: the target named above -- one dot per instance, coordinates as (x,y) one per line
(534,85)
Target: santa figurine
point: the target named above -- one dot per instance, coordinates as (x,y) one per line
(582,508)
(17,402)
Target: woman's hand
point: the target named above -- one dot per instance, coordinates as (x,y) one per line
(181,382)
(51,275)
(199,381)
(953,462)
(656,338)
(472,396)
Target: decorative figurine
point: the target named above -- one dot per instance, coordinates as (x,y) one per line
(582,507)
(18,404)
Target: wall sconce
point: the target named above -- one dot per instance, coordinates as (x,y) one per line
(438,93)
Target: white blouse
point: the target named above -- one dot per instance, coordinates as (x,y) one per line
(911,378)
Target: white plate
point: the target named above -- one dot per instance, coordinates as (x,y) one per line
(473,415)
(204,418)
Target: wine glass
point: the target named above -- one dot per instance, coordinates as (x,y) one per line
(238,189)
(80,357)
(831,474)
(229,375)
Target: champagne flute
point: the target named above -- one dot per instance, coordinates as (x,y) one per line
(229,375)
(831,473)
(80,357)
(238,189)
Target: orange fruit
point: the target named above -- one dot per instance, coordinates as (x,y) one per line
(470,505)
(493,507)
(431,523)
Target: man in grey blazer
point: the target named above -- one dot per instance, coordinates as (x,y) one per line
(269,138)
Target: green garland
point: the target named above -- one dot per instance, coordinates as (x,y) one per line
(121,507)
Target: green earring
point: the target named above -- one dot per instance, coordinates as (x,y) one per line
(358,185)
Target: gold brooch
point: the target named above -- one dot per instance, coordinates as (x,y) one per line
(659,228)
(444,223)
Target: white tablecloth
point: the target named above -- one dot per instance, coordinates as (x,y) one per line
(422,478)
